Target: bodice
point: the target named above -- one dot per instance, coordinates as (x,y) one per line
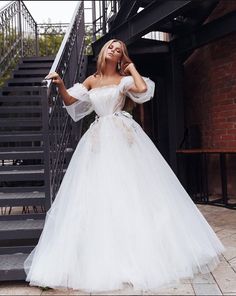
(106,100)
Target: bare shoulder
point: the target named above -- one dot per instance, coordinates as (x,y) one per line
(89,81)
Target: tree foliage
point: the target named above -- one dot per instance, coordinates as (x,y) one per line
(49,41)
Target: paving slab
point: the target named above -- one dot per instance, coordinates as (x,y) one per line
(18,289)
(181,289)
(225,277)
(206,289)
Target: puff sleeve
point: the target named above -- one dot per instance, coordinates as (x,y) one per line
(82,106)
(139,98)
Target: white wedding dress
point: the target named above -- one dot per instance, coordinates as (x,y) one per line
(121,214)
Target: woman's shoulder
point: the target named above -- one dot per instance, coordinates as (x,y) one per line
(89,81)
(94,81)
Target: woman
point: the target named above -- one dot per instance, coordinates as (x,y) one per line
(120,215)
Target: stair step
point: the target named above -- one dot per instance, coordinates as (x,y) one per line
(34,81)
(18,189)
(12,267)
(26,99)
(21,91)
(20,229)
(32,65)
(22,155)
(20,137)
(22,166)
(11,122)
(30,73)
(38,59)
(20,131)
(23,175)
(33,175)
(21,148)
(16,249)
(20,109)
(23,217)
(22,199)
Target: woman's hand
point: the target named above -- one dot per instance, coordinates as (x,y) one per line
(128,68)
(139,83)
(55,78)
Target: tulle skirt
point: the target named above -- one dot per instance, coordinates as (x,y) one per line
(121,215)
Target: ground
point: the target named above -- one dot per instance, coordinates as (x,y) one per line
(222,281)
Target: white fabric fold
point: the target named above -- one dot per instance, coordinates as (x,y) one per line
(82,106)
(128,81)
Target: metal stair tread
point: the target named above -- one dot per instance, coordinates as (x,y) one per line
(18,108)
(31,71)
(24,79)
(23,133)
(17,89)
(26,224)
(22,195)
(43,65)
(21,172)
(20,135)
(22,99)
(37,59)
(20,152)
(8,262)
(25,119)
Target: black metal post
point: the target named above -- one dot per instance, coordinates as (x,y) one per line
(20,29)
(94,20)
(46,142)
(36,40)
(175,108)
(205,192)
(104,12)
(223,174)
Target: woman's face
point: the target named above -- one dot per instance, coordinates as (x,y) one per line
(114,52)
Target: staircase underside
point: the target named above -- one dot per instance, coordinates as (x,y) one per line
(177,18)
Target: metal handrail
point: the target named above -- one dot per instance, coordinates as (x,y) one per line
(98,24)
(101,19)
(60,135)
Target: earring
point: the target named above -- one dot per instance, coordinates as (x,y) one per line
(118,66)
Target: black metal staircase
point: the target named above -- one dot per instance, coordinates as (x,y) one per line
(37,139)
(21,121)
(22,170)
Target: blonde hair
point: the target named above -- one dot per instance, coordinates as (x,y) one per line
(101,65)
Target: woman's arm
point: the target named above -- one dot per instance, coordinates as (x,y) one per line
(139,84)
(56,79)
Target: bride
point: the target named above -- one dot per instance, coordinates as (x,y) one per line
(121,215)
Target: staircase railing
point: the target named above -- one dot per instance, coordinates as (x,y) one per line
(21,36)
(49,37)
(101,15)
(60,134)
(18,34)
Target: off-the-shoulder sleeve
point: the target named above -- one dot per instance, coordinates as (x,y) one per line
(82,106)
(128,81)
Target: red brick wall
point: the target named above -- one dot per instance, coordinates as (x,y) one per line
(210,92)
(210,87)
